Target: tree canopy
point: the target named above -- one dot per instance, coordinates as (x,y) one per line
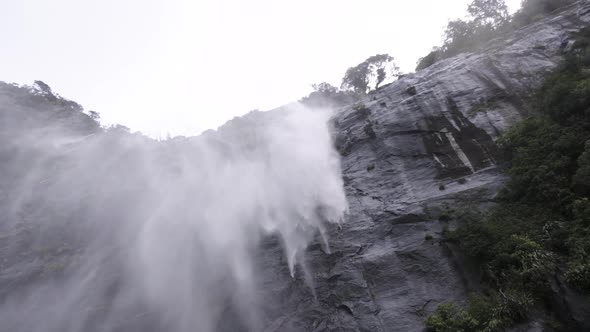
(486,19)
(488,13)
(327,95)
(369,74)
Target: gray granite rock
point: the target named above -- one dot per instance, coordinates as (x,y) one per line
(410,151)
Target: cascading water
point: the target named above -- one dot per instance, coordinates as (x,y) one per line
(133,234)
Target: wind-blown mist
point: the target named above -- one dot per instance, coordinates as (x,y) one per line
(109,229)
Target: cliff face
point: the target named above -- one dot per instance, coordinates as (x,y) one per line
(411,151)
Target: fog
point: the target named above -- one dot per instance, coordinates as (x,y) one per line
(112,231)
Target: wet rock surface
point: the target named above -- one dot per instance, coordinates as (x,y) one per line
(411,152)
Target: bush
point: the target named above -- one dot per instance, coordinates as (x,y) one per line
(511,307)
(449,318)
(578,275)
(433,57)
(543,156)
(488,19)
(444,217)
(532,10)
(369,74)
(481,313)
(326,95)
(522,264)
(581,178)
(499,243)
(542,214)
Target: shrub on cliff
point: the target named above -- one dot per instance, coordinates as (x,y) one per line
(543,214)
(532,10)
(490,313)
(433,57)
(369,74)
(326,95)
(487,20)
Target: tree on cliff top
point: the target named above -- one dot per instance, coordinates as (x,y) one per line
(491,13)
(327,95)
(371,72)
(486,19)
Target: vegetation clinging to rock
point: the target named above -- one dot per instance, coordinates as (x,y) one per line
(542,217)
(487,19)
(358,80)
(373,71)
(327,95)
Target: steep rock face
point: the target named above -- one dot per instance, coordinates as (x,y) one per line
(410,150)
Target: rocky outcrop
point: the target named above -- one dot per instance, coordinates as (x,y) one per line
(410,150)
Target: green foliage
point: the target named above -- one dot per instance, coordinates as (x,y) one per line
(543,213)
(578,275)
(444,217)
(325,88)
(326,95)
(578,245)
(511,245)
(511,307)
(374,69)
(44,87)
(522,264)
(433,57)
(488,13)
(550,155)
(117,129)
(532,10)
(544,156)
(449,318)
(581,178)
(487,19)
(566,98)
(94,115)
(481,313)
(47,93)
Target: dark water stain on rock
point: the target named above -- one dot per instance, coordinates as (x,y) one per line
(458,146)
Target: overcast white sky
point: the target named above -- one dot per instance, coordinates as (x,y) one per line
(183,66)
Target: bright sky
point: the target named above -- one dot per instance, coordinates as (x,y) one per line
(183,66)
